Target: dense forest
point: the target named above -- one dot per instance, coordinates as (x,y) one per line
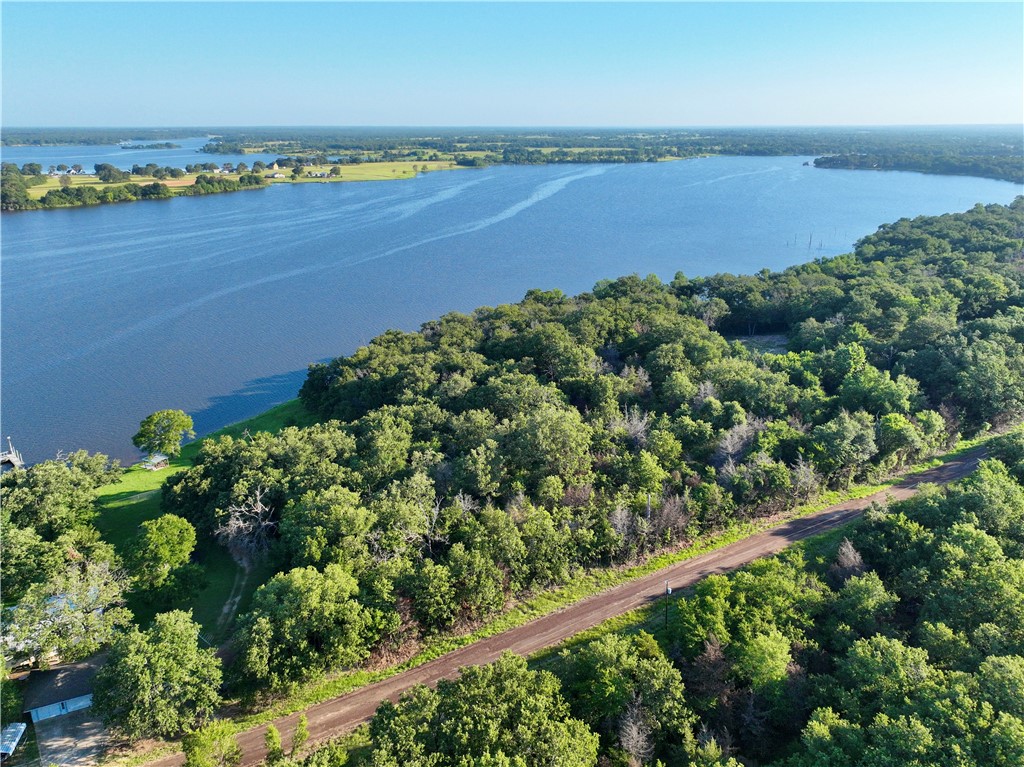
(901,645)
(1006,167)
(488,456)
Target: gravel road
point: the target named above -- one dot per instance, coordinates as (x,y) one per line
(338,715)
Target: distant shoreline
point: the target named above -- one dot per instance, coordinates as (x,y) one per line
(87,190)
(332,155)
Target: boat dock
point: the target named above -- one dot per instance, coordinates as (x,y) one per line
(11,457)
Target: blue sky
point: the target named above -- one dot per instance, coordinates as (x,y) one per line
(511,64)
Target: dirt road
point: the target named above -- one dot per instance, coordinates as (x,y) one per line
(338,715)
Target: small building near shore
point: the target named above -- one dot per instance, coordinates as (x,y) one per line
(156,461)
(61,690)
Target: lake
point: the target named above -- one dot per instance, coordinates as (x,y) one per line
(88,156)
(215,305)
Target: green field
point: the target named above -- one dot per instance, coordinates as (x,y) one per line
(124,505)
(371,171)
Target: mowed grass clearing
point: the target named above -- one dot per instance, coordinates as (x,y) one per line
(123,506)
(367,171)
(370,171)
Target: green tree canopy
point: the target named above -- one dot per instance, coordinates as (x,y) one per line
(162,432)
(159,682)
(502,713)
(324,527)
(607,677)
(213,745)
(162,546)
(73,614)
(53,497)
(302,623)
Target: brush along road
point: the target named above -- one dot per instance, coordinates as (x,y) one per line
(338,715)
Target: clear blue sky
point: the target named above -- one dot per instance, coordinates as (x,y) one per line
(512,64)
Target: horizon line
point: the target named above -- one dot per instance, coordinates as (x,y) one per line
(463,126)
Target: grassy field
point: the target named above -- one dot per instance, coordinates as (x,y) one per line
(138,480)
(372,171)
(124,505)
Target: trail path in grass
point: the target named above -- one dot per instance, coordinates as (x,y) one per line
(338,715)
(227,613)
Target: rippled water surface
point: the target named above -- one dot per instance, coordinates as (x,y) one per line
(215,305)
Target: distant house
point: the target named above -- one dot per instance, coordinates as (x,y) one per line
(156,461)
(275,175)
(61,690)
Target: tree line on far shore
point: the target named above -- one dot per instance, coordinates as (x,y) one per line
(15,183)
(996,153)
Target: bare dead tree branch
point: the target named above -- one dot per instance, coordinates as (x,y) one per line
(248,529)
(635,733)
(635,423)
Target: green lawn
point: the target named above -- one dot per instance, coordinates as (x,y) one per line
(120,515)
(139,480)
(123,506)
(370,171)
